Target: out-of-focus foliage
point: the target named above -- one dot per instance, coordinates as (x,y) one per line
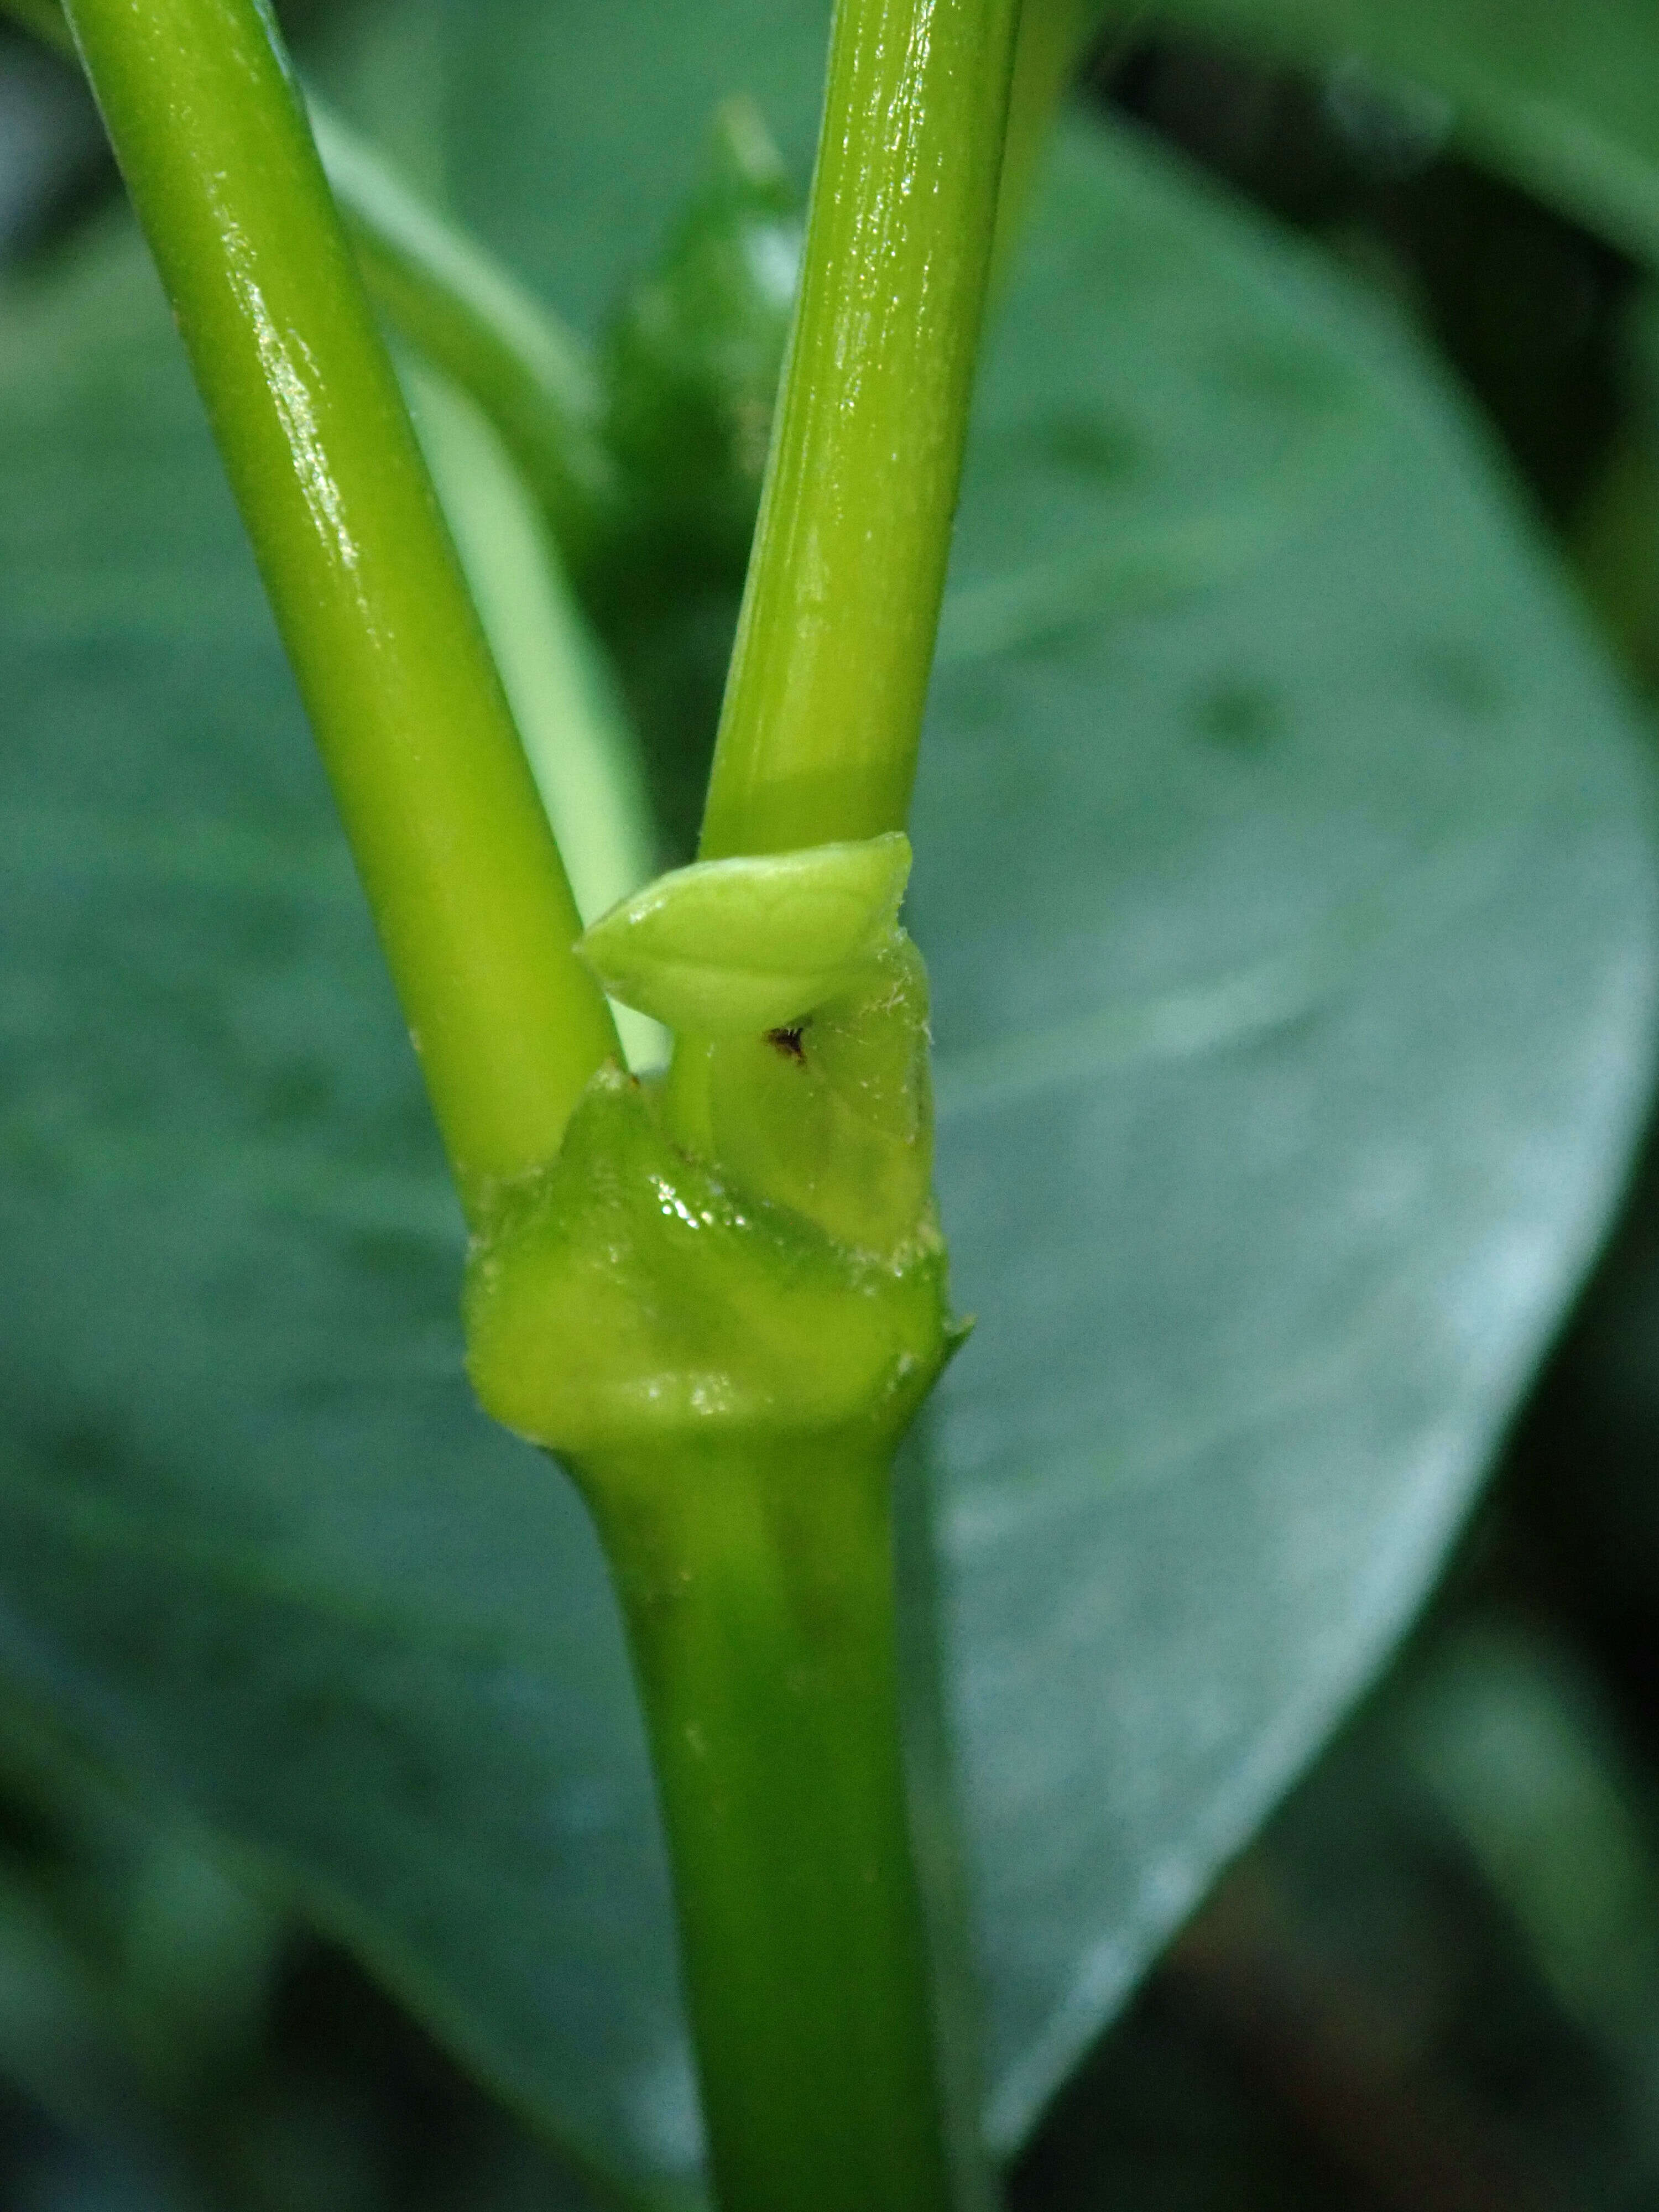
(693,352)
(1284,869)
(1556,92)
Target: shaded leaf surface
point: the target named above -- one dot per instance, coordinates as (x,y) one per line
(1559,97)
(1284,866)
(1291,869)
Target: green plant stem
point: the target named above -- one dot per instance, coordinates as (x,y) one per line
(822,713)
(757,1585)
(450,837)
(1052,35)
(584,758)
(583,752)
(758,1581)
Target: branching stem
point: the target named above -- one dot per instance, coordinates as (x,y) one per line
(449,835)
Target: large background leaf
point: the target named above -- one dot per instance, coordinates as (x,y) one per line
(1560,96)
(1286,874)
(1283,1133)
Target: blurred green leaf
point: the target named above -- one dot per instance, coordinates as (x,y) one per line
(693,353)
(1238,913)
(1283,862)
(1559,96)
(1511,1736)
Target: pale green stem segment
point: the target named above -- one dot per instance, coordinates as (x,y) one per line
(1052,37)
(822,713)
(583,752)
(470,319)
(450,837)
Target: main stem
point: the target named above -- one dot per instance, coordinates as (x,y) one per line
(449,835)
(758,1586)
(757,1577)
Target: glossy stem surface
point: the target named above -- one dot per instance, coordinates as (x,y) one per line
(823,712)
(757,1585)
(1053,34)
(449,835)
